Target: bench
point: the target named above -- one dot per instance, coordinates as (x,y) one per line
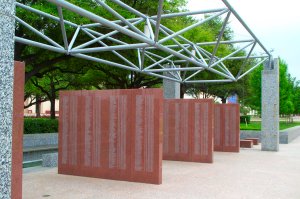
(255,140)
(246,143)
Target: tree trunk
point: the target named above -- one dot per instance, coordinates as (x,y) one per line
(223,100)
(52,108)
(182,91)
(38,106)
(52,99)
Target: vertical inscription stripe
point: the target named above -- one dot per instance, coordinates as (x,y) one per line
(87,130)
(65,128)
(138,134)
(112,153)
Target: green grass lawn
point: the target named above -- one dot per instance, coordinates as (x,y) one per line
(257,125)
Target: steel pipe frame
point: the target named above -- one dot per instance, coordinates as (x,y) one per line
(109,48)
(58,20)
(178,34)
(219,37)
(251,69)
(163,16)
(103,36)
(229,58)
(246,60)
(79,55)
(113,12)
(119,28)
(155,46)
(149,57)
(105,22)
(162,60)
(175,41)
(245,26)
(158,19)
(38,32)
(208,43)
(113,51)
(62,26)
(210,57)
(192,26)
(208,81)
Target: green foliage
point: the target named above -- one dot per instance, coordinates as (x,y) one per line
(245,119)
(289,90)
(40,125)
(257,125)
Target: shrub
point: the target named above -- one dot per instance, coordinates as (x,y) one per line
(40,125)
(245,118)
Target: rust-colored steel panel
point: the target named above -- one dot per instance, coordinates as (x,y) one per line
(17,136)
(112,134)
(188,130)
(227,128)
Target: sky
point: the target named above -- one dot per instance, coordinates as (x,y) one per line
(276,23)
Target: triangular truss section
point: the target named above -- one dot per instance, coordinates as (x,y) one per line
(159,51)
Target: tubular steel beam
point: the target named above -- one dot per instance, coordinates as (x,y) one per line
(40,45)
(103,37)
(62,26)
(37,32)
(110,48)
(220,37)
(113,51)
(158,19)
(74,38)
(208,81)
(245,25)
(251,69)
(113,12)
(189,13)
(197,61)
(191,27)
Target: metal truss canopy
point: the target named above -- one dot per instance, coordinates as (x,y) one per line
(180,61)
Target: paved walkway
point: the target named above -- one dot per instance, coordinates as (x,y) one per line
(250,174)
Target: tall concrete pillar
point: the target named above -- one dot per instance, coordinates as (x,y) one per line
(270,106)
(171,88)
(7,32)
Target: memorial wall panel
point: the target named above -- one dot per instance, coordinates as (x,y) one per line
(227,128)
(17,136)
(112,134)
(188,130)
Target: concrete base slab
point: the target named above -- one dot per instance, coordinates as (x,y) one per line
(249,174)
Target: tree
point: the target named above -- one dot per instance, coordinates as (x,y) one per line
(286,87)
(51,84)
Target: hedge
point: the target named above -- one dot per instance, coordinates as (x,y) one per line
(40,125)
(244,118)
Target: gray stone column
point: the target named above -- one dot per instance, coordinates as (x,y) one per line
(171,88)
(7,32)
(270,106)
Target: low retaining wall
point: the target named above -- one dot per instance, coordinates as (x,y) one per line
(286,136)
(35,145)
(37,140)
